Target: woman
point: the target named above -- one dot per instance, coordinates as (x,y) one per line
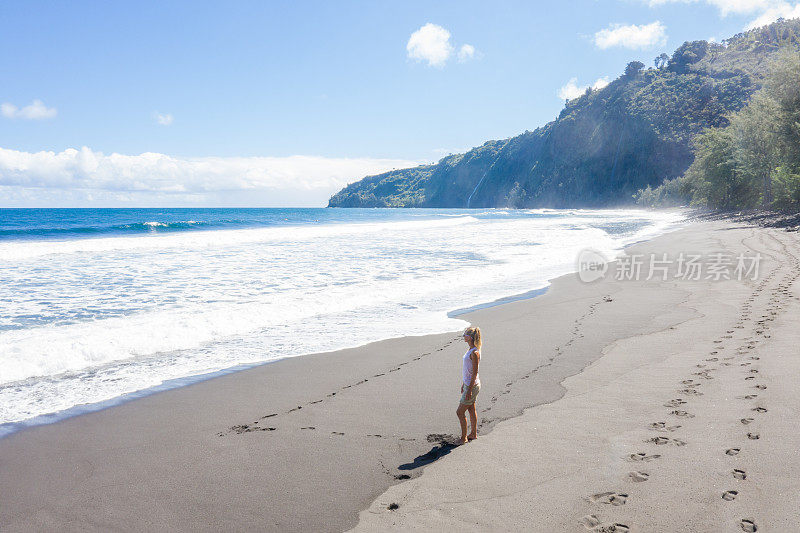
(470,385)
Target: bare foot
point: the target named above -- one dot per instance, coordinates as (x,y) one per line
(463,441)
(472,437)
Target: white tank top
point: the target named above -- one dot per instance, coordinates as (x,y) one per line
(468,369)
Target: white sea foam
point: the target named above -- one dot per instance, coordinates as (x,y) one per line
(88,320)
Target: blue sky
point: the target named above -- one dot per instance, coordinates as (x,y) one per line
(238,83)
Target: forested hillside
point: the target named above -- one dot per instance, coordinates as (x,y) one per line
(754,160)
(605,145)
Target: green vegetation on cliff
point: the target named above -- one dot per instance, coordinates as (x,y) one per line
(753,161)
(606,145)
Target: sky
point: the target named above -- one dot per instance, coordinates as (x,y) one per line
(273,103)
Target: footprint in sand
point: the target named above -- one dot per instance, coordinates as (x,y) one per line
(677,402)
(681,414)
(732,451)
(748,525)
(729,495)
(753,436)
(760,387)
(441,438)
(338,433)
(662,426)
(638,477)
(739,474)
(748,397)
(592,523)
(245,428)
(746,421)
(759,409)
(642,457)
(664,440)
(609,498)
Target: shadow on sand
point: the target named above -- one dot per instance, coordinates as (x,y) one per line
(444,445)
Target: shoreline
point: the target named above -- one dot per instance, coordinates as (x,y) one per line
(407,441)
(10,428)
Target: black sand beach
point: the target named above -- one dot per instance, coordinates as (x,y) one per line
(306,443)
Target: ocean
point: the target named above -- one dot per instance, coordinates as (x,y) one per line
(97,305)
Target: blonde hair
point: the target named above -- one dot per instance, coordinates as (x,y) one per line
(475,333)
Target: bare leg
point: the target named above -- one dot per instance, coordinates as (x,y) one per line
(473,418)
(462,419)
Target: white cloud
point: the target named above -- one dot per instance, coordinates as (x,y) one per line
(165,119)
(765,11)
(773,13)
(302,180)
(431,43)
(35,111)
(573,90)
(632,36)
(600,83)
(466,52)
(741,7)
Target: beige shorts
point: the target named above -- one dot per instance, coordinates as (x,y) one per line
(471,400)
